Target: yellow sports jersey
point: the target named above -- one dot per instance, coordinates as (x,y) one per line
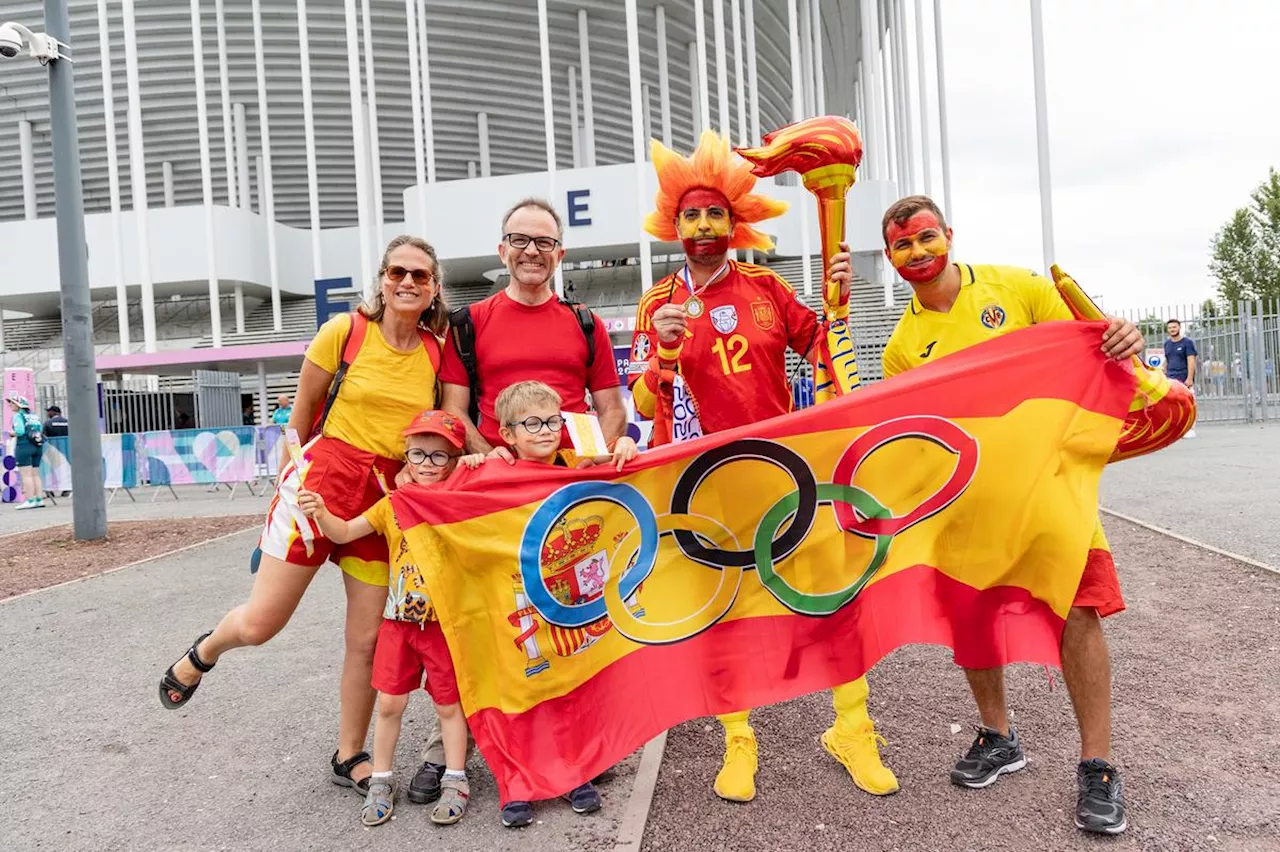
(382,393)
(407,598)
(993,300)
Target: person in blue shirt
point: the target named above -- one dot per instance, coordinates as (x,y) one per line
(284,409)
(1180,358)
(27,450)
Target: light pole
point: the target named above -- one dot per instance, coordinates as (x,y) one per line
(89,508)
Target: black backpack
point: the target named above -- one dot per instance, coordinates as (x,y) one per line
(464,338)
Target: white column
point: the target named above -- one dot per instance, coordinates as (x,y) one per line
(695,90)
(262,392)
(224,89)
(722,70)
(239,293)
(942,110)
(886,104)
(371,103)
(921,65)
(700,42)
(264,133)
(138,178)
(819,83)
(260,185)
(357,145)
(471,169)
(28,153)
(664,75)
(548,114)
(893,91)
(646,95)
(206,175)
(877,137)
(113,173)
(309,134)
(428,128)
(905,120)
(588,108)
(375,220)
(1042,134)
(797,109)
(806,57)
(638,140)
(740,83)
(166,175)
(482,132)
(749,21)
(419,225)
(242,157)
(574,138)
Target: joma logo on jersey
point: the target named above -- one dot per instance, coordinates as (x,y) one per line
(992,316)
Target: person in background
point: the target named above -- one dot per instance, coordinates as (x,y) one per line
(247,416)
(28,447)
(284,409)
(55,425)
(1180,358)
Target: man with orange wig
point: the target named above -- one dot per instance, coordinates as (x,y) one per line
(709,354)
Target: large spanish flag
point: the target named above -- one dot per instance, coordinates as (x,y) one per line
(587,611)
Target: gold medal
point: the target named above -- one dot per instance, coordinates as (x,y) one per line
(693,307)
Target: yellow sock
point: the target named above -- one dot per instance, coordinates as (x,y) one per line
(737,724)
(850,703)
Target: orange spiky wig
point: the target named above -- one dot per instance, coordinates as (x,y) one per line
(715,167)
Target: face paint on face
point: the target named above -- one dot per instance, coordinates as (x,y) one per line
(918,247)
(704,223)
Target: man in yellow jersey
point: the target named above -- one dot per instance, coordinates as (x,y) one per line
(960,305)
(719,331)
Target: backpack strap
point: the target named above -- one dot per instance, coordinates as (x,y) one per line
(463,329)
(587,322)
(350,348)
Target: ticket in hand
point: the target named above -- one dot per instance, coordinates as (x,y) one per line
(584,431)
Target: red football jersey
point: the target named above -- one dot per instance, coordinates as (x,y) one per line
(734,355)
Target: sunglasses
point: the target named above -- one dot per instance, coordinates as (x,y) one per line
(438,458)
(420,276)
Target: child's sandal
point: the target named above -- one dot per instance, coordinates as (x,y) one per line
(453,802)
(378,803)
(170,685)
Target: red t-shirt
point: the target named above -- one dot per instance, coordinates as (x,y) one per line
(734,355)
(516,343)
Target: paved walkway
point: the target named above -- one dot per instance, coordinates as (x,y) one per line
(194,501)
(91,761)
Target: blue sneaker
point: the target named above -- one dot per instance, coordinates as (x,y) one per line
(585,799)
(517,814)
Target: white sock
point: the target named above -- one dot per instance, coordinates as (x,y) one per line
(383,776)
(454,775)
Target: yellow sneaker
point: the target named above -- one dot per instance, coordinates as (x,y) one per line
(858,750)
(737,779)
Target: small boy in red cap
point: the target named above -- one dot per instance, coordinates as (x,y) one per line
(410,640)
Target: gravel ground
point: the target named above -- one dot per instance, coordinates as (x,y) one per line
(1220,487)
(1196,732)
(91,761)
(43,558)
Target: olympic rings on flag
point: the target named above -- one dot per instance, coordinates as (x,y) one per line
(748,448)
(554,508)
(937,430)
(666,632)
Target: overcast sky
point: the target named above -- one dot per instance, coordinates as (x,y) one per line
(1163,116)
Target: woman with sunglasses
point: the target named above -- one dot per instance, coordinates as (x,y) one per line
(364,376)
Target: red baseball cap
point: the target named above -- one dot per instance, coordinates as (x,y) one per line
(442,423)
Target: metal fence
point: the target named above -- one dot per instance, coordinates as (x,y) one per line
(1238,348)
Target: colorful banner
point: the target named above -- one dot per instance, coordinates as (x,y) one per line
(120,461)
(55,465)
(587,611)
(200,456)
(269,438)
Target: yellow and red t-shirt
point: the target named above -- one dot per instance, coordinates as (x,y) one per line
(734,354)
(407,598)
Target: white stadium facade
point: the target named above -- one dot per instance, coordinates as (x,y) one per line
(235,152)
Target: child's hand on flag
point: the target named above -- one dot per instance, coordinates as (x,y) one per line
(311,503)
(472,460)
(624,450)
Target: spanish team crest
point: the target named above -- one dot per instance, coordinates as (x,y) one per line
(762,314)
(992,316)
(724,318)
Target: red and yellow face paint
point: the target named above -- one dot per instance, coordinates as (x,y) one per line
(918,247)
(704,223)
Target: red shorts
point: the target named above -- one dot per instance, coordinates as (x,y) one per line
(1100,585)
(343,476)
(405,650)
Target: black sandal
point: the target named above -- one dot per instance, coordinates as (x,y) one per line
(342,771)
(170,683)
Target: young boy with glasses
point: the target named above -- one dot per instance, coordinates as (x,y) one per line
(410,641)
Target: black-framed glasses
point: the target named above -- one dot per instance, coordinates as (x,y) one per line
(521,242)
(534,425)
(438,458)
(421,277)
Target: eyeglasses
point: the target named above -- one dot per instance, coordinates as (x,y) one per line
(420,276)
(438,458)
(534,425)
(521,241)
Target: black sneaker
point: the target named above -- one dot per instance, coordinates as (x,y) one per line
(425,786)
(585,799)
(517,814)
(1100,803)
(991,755)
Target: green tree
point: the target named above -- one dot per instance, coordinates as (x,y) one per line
(1245,257)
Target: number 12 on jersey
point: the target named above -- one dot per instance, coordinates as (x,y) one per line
(731,351)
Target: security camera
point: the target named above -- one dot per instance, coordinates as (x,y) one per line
(11,39)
